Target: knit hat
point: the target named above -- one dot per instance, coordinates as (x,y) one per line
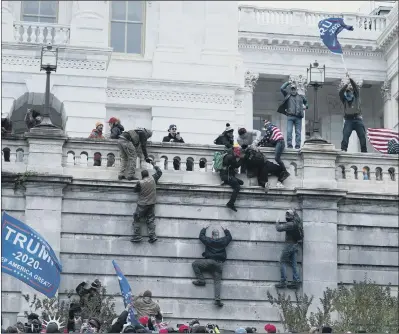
(250,329)
(147,293)
(270,328)
(113,120)
(184,329)
(240,330)
(143,321)
(228,128)
(266,122)
(98,124)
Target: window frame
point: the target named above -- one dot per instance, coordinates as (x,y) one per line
(126,22)
(38,15)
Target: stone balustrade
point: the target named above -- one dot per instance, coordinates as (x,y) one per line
(303,22)
(41,33)
(191,163)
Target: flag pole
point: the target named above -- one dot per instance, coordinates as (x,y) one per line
(342,57)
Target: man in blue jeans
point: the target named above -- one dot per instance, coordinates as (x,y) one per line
(350,98)
(292,107)
(293,229)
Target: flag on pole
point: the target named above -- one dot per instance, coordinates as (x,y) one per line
(379,138)
(126,294)
(329,30)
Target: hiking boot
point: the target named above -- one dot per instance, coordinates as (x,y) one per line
(218,303)
(132,178)
(279,185)
(281,285)
(231,206)
(199,283)
(289,146)
(284,175)
(136,239)
(294,285)
(152,240)
(121,177)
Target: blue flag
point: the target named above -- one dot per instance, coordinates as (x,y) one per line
(126,294)
(329,30)
(28,257)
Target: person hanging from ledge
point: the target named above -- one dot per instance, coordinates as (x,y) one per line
(214,257)
(349,95)
(226,138)
(173,136)
(293,229)
(292,107)
(274,138)
(116,127)
(147,189)
(129,143)
(32,118)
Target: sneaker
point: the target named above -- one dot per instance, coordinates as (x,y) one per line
(131,178)
(281,285)
(199,283)
(294,285)
(136,239)
(289,146)
(284,176)
(232,207)
(279,185)
(297,147)
(218,303)
(121,177)
(152,240)
(267,186)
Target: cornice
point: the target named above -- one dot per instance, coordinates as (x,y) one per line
(313,46)
(390,32)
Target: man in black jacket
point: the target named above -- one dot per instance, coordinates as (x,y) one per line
(214,256)
(226,138)
(231,162)
(173,136)
(350,98)
(116,127)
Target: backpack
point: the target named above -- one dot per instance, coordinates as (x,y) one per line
(298,233)
(218,161)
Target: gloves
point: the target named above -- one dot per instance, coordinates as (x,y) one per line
(148,160)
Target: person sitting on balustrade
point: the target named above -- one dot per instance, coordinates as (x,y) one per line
(226,138)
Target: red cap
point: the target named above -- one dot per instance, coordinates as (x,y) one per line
(183,328)
(143,321)
(270,328)
(163,331)
(113,120)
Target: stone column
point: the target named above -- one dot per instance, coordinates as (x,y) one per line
(390,118)
(7,22)
(250,80)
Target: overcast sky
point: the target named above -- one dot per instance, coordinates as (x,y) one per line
(325,6)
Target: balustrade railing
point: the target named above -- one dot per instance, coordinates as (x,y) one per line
(41,33)
(83,157)
(256,19)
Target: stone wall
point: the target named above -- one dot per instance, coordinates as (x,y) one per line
(350,225)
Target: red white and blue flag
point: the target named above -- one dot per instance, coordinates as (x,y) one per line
(379,138)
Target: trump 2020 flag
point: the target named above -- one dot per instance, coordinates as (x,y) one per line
(329,30)
(28,257)
(126,294)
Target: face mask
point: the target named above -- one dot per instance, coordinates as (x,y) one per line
(349,96)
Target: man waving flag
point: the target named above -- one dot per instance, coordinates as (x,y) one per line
(329,30)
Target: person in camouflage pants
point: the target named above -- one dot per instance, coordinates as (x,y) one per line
(214,257)
(293,236)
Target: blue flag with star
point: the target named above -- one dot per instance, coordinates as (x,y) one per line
(329,30)
(27,256)
(127,296)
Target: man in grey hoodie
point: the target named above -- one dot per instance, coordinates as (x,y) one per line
(248,138)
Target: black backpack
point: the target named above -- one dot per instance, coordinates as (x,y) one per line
(298,232)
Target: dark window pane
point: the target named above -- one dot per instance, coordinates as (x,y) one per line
(119,10)
(47,19)
(118,36)
(134,38)
(30,18)
(48,8)
(30,7)
(135,11)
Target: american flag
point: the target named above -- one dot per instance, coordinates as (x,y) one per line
(379,138)
(126,294)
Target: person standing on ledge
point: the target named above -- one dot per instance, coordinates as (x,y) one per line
(350,98)
(293,229)
(214,257)
(147,189)
(173,136)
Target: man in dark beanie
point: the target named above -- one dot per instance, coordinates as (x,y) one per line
(147,189)
(173,136)
(94,324)
(226,138)
(145,306)
(214,257)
